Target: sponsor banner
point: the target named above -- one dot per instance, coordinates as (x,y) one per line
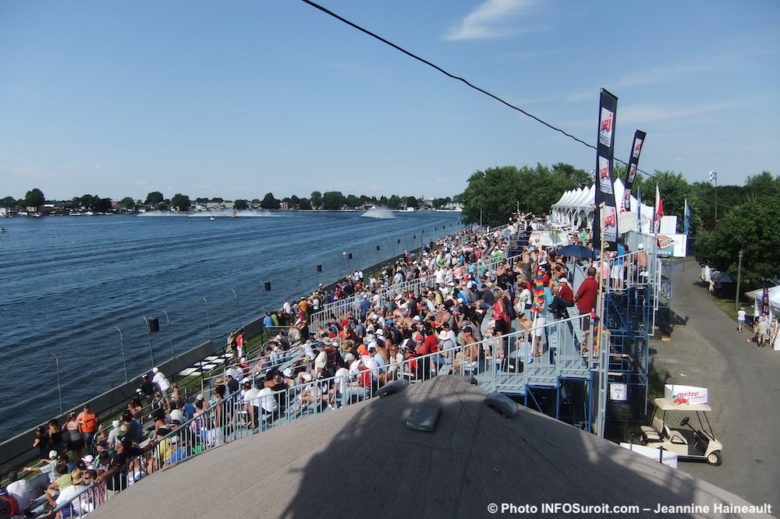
(684,395)
(605,176)
(548,238)
(633,165)
(606,125)
(675,245)
(609,224)
(668,225)
(627,222)
(606,224)
(664,456)
(618,391)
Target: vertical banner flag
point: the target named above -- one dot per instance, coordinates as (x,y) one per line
(633,164)
(659,211)
(765,301)
(605,220)
(686,217)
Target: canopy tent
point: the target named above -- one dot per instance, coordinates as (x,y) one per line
(576,207)
(774,297)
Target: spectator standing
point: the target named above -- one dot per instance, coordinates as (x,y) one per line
(88,422)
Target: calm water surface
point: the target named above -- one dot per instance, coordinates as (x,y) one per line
(68,283)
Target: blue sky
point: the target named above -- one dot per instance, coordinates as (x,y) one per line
(236,99)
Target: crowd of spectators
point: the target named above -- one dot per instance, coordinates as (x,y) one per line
(453,323)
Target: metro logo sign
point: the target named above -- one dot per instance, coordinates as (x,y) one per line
(685,395)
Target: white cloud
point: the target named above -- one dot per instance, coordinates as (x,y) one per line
(644,113)
(489,20)
(639,114)
(652,76)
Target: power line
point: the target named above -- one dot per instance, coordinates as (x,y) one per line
(458,78)
(464,80)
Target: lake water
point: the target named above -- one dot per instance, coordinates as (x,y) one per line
(68,283)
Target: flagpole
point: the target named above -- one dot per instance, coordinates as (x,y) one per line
(600,297)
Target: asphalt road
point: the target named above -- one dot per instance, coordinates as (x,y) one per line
(744,390)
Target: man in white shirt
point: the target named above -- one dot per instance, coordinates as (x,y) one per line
(19,489)
(268,405)
(249,400)
(161,382)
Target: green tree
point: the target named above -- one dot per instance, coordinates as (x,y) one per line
(674,190)
(269,202)
(352,201)
(127,203)
(762,185)
(217,200)
(86,202)
(438,203)
(304,204)
(295,202)
(332,200)
(394,202)
(101,205)
(34,198)
(751,228)
(180,202)
(240,204)
(154,198)
(576,177)
(316,199)
(494,194)
(8,201)
(411,201)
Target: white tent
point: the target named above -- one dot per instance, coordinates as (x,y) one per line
(576,207)
(774,297)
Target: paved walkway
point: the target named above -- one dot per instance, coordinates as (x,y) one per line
(744,387)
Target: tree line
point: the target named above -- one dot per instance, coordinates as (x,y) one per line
(328,201)
(724,219)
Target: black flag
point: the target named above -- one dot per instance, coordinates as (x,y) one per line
(605,220)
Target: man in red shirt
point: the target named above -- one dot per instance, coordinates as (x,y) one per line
(562,299)
(586,299)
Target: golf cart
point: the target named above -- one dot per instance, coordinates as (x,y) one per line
(672,431)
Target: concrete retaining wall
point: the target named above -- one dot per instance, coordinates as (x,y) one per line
(19,448)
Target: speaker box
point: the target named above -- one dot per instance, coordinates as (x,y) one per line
(153,325)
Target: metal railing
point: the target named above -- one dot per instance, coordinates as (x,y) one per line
(339,309)
(536,356)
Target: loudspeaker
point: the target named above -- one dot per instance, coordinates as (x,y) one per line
(153,325)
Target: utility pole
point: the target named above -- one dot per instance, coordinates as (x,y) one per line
(739,279)
(714,179)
